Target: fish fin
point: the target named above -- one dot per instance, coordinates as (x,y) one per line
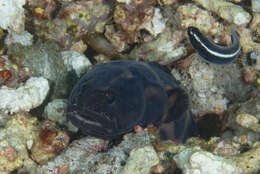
(179,130)
(155,104)
(178,104)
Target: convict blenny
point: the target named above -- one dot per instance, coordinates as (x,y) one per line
(212,52)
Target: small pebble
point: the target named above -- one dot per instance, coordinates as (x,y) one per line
(255,5)
(249,122)
(141,160)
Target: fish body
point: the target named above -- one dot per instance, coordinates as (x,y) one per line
(114,97)
(212,52)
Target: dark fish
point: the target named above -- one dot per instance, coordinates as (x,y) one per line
(112,98)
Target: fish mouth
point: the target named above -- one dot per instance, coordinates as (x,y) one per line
(93,123)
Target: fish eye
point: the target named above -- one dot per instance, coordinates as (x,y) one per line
(110,97)
(191,32)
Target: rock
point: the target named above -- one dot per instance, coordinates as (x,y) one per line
(93,155)
(9,159)
(24,38)
(140,161)
(249,161)
(192,158)
(12,15)
(227,10)
(193,161)
(255,6)
(116,38)
(76,19)
(124,1)
(43,59)
(167,2)
(247,42)
(133,16)
(12,75)
(79,46)
(224,148)
(210,86)
(165,49)
(26,97)
(78,157)
(192,15)
(56,111)
(255,24)
(76,61)
(49,143)
(17,137)
(41,8)
(240,123)
(249,122)
(3,118)
(157,24)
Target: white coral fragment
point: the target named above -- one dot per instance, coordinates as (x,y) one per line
(140,161)
(193,161)
(230,12)
(74,60)
(124,1)
(26,97)
(12,15)
(157,24)
(24,38)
